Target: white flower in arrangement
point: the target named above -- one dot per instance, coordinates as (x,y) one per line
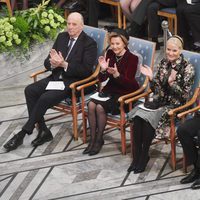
(44,14)
(28,27)
(2,38)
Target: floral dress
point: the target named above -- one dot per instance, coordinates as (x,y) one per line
(169,96)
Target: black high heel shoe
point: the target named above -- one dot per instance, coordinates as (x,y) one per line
(132,166)
(141,166)
(88,148)
(96,148)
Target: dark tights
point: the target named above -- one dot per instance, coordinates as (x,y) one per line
(142,139)
(97,121)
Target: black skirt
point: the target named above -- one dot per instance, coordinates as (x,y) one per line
(111,105)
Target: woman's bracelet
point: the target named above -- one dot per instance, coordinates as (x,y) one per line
(103,72)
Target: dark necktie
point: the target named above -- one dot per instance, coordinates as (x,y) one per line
(69,47)
(67,54)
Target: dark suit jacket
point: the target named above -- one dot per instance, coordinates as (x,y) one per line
(81,58)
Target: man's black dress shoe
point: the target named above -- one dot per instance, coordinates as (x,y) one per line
(196,184)
(191,177)
(13,143)
(43,136)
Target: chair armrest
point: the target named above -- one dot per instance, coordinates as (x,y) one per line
(133,99)
(86,80)
(35,74)
(79,88)
(188,104)
(192,110)
(133,94)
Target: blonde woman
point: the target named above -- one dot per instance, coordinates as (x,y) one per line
(170,87)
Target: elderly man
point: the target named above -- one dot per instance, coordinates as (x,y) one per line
(71,59)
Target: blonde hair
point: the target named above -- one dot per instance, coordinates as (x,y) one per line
(176,40)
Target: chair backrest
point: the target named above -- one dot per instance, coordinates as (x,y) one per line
(146,49)
(99,35)
(194,59)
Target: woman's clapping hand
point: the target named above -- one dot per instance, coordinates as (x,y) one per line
(147,71)
(103,63)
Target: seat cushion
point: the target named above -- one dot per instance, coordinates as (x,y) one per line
(169,10)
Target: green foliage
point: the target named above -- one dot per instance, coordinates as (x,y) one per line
(27,27)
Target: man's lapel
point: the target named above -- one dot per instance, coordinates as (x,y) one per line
(76,46)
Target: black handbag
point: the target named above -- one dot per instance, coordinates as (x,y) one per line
(153,104)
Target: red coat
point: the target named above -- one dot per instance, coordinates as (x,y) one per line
(127,68)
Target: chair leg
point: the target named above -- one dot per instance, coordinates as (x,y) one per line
(173,143)
(75,124)
(119,14)
(74,116)
(173,155)
(170,21)
(124,21)
(123,140)
(9,7)
(175,25)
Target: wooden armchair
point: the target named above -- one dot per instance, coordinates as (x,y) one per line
(99,35)
(147,50)
(8,4)
(121,18)
(170,14)
(194,59)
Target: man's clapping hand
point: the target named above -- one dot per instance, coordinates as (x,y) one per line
(56,58)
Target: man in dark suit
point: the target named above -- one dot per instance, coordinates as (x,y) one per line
(188,20)
(154,20)
(71,59)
